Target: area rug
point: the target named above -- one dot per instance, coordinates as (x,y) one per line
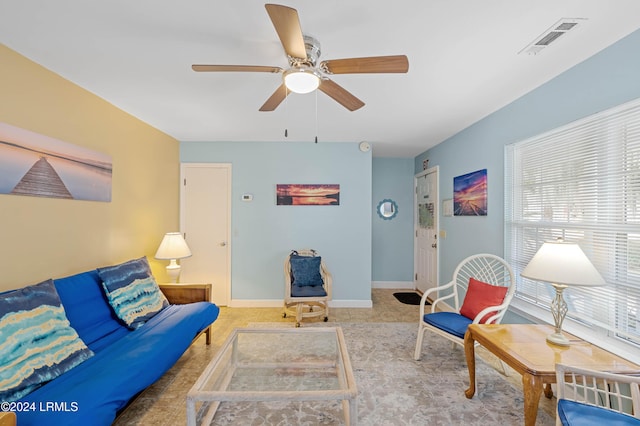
(409,298)
(394,389)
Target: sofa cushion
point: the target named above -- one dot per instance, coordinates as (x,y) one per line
(87,307)
(37,344)
(103,385)
(132,291)
(305,270)
(480,296)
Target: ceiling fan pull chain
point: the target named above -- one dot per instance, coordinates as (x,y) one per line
(316,116)
(286,111)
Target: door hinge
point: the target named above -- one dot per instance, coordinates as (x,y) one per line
(416,276)
(185,182)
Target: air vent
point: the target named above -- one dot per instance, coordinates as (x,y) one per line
(552,34)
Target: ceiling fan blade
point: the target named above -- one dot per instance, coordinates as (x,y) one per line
(275,99)
(285,20)
(373,64)
(235,68)
(340,95)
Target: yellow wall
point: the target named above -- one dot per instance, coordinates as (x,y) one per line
(44,238)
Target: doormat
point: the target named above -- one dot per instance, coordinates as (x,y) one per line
(409,298)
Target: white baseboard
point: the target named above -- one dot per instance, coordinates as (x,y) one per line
(398,285)
(245,303)
(350,304)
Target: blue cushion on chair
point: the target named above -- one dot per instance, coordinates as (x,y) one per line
(450,322)
(308,291)
(578,414)
(305,270)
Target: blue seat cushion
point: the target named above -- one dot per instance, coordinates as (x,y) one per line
(578,414)
(450,322)
(308,291)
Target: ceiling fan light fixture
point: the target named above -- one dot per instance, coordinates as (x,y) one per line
(301,79)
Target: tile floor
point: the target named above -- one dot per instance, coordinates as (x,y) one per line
(164,402)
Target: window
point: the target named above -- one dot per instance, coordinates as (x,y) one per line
(581,182)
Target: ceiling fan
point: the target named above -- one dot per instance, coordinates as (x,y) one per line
(305,74)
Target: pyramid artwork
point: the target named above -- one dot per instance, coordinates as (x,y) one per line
(42,181)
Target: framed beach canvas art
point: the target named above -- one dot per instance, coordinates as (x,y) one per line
(307,195)
(41,166)
(470,194)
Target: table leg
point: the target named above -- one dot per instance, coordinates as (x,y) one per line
(350,408)
(532,387)
(548,392)
(208,334)
(469,351)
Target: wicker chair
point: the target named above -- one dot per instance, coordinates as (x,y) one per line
(484,302)
(307,286)
(596,397)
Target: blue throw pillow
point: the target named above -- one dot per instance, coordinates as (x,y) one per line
(305,270)
(37,343)
(132,291)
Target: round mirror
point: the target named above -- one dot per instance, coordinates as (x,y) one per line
(387,209)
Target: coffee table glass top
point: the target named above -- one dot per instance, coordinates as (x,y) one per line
(270,364)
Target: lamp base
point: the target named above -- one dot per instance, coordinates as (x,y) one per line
(173,271)
(558,339)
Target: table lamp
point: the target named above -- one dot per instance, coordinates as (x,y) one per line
(173,247)
(562,265)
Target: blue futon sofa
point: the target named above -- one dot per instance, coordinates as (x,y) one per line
(125,359)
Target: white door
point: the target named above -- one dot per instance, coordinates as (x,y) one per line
(205,217)
(426,230)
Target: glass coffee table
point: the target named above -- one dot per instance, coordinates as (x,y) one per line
(276,364)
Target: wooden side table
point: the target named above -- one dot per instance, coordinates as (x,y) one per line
(524,348)
(7,418)
(179,294)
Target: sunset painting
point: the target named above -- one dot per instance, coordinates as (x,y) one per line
(307,195)
(37,165)
(470,194)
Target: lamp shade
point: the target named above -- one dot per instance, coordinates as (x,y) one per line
(562,263)
(173,246)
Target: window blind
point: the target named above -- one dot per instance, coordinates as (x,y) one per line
(581,182)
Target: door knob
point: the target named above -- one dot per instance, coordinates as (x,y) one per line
(222,244)
(434,245)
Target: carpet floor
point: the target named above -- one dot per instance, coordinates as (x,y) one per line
(394,389)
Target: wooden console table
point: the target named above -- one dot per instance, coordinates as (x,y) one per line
(524,348)
(178,294)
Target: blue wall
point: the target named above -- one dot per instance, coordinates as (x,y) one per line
(610,78)
(393,239)
(263,233)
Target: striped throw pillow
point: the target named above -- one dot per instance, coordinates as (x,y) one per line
(37,343)
(132,291)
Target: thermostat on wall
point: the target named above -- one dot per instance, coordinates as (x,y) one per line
(247,197)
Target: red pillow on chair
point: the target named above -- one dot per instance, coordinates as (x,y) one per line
(479,296)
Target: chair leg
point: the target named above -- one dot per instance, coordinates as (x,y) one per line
(418,351)
(299,307)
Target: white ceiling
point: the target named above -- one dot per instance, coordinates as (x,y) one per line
(463,61)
